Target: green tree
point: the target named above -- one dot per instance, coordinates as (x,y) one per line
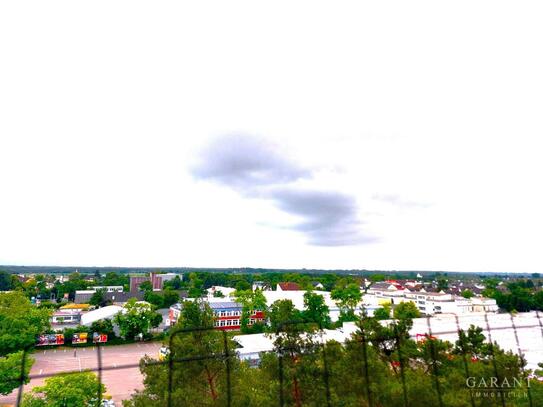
(467,293)
(243,285)
(201,382)
(406,310)
(377,277)
(30,287)
(112,279)
(538,300)
(69,287)
(442,284)
(250,301)
(137,319)
(521,299)
(491,283)
(97,277)
(170,298)
(316,310)
(20,322)
(196,286)
(175,283)
(10,371)
(103,326)
(154,298)
(146,286)
(64,390)
(280,312)
(472,342)
(378,362)
(383,312)
(5,281)
(98,298)
(347,297)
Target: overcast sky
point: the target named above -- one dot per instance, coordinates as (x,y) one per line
(382,135)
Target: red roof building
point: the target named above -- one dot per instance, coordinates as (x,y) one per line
(288,287)
(227,315)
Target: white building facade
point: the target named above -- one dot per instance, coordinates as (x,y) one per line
(430,303)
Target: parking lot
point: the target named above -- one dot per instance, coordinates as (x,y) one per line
(120,382)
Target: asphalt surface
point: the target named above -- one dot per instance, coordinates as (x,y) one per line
(120,374)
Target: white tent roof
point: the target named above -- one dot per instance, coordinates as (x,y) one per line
(101,313)
(256,343)
(297,298)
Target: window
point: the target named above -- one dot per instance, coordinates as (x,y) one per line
(221,322)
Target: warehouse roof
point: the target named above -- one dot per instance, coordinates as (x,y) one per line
(101,313)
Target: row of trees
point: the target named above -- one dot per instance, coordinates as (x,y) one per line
(45,286)
(521,295)
(198,282)
(315,311)
(379,366)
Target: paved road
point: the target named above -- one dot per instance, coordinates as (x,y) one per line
(120,382)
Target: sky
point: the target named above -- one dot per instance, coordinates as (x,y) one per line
(354,135)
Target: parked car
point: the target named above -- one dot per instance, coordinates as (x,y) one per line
(163,353)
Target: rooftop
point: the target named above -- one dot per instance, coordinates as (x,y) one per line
(224,305)
(289,286)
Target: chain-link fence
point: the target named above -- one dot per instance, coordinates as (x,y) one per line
(298,354)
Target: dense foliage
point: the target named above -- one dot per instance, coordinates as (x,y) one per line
(75,389)
(10,371)
(20,324)
(347,296)
(520,295)
(379,366)
(137,319)
(250,301)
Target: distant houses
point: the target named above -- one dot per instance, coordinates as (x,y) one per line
(428,302)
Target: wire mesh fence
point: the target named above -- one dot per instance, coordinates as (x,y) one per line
(299,355)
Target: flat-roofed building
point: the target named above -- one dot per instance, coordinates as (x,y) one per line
(157,280)
(227,314)
(66,317)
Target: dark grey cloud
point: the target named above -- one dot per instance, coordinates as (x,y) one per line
(256,168)
(246,164)
(329,218)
